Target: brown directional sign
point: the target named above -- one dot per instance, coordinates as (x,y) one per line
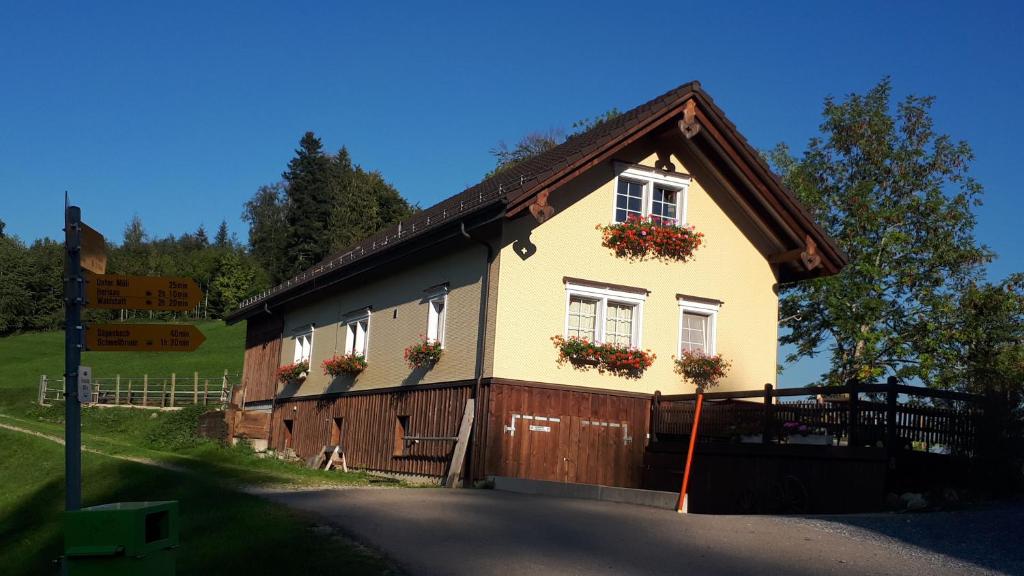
(114,291)
(94,250)
(142,337)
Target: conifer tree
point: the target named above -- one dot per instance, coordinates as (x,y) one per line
(309,208)
(223,238)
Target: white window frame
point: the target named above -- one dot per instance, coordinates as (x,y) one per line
(350,345)
(603,296)
(304,333)
(709,309)
(437,321)
(649,178)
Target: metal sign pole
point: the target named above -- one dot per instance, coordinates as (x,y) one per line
(72,358)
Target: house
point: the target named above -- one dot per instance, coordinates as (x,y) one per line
(495,272)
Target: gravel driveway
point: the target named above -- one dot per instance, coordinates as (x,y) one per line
(435,531)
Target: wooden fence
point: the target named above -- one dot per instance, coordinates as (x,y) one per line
(148,391)
(887,415)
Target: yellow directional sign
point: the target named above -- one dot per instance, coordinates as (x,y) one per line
(113,291)
(142,337)
(94,250)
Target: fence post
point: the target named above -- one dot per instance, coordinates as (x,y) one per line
(174,384)
(145,389)
(853,436)
(97,392)
(891,432)
(117,390)
(655,407)
(163,392)
(42,390)
(195,387)
(769,415)
(129,391)
(224,387)
(206,391)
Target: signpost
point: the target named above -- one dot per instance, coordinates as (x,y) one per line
(115,292)
(72,358)
(85,251)
(94,250)
(142,338)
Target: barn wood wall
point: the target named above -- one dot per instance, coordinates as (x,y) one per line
(262,353)
(574,450)
(368,426)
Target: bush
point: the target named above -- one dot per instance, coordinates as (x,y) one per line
(176,430)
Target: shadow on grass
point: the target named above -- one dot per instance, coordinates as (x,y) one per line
(222,531)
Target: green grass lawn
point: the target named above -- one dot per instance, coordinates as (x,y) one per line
(24,357)
(223,531)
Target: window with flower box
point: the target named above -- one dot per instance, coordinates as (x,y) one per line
(603,314)
(641,191)
(437,306)
(698,325)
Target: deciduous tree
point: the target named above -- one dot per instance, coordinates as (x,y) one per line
(898,198)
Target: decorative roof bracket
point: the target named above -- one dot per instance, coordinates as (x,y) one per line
(808,255)
(689,125)
(540,209)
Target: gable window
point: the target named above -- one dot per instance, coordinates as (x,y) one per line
(436,312)
(603,314)
(357,333)
(303,345)
(697,325)
(642,192)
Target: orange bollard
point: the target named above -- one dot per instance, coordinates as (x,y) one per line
(689,455)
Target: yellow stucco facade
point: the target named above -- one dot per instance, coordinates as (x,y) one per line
(730,267)
(528,293)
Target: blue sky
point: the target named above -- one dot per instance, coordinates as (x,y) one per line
(179,112)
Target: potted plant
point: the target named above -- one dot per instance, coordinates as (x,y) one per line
(616,359)
(640,238)
(351,364)
(705,371)
(423,354)
(294,373)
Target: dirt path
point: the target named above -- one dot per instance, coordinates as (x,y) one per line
(136,459)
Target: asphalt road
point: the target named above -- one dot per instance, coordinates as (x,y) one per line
(434,531)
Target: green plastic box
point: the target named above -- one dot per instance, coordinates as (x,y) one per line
(121,538)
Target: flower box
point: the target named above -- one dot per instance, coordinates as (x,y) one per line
(423,354)
(705,371)
(294,373)
(350,364)
(641,238)
(612,358)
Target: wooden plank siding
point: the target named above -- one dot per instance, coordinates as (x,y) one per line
(368,426)
(584,435)
(262,357)
(587,436)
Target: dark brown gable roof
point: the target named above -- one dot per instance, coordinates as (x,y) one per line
(520,185)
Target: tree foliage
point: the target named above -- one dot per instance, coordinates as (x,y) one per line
(536,143)
(898,198)
(324,204)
